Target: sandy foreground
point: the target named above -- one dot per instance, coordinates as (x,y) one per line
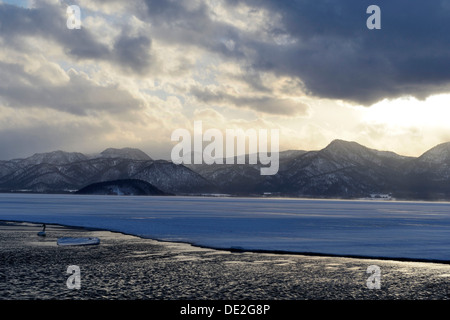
(128,267)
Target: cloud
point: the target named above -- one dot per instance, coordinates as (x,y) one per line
(191,24)
(326,45)
(133,52)
(209,114)
(48,22)
(337,57)
(144,67)
(78,95)
(260,103)
(24,132)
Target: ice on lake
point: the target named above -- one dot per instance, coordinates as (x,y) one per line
(416,230)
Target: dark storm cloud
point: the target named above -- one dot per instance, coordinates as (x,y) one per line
(330,49)
(132,53)
(336,56)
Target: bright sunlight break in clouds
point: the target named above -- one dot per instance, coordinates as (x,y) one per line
(137,70)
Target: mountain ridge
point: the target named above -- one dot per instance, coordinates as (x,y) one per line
(60,176)
(343,169)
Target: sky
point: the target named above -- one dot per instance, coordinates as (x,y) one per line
(137,70)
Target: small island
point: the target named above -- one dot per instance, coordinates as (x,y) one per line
(126,187)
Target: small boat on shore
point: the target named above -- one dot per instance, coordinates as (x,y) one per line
(66,241)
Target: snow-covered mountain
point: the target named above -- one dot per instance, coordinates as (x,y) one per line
(428,176)
(62,171)
(439,154)
(245,178)
(343,169)
(55,157)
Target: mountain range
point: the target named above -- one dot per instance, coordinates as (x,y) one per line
(59,171)
(343,169)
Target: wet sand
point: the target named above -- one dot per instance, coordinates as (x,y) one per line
(129,268)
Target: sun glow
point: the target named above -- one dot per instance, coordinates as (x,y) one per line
(406,112)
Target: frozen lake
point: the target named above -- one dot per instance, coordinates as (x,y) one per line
(417,230)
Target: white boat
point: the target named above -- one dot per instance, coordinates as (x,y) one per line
(77,241)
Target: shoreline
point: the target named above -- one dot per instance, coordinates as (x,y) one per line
(127,267)
(244,196)
(243,250)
